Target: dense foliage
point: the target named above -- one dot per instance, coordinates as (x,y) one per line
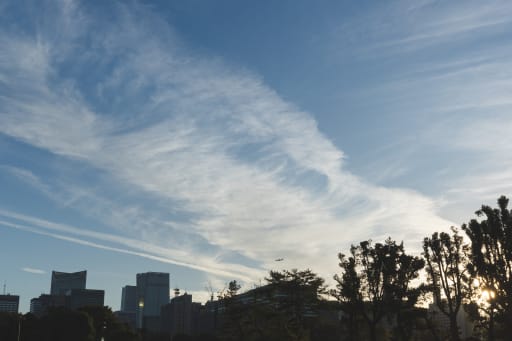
(60,324)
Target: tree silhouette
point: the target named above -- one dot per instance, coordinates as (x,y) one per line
(106,325)
(375,282)
(347,292)
(9,326)
(402,297)
(61,324)
(491,260)
(296,294)
(446,266)
(234,326)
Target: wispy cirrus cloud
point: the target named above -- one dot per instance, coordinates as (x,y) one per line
(397,27)
(450,81)
(28,177)
(34,271)
(238,166)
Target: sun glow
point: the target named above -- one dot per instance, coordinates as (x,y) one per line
(485,295)
(488,294)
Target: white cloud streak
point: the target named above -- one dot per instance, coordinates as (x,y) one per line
(129,246)
(397,27)
(34,271)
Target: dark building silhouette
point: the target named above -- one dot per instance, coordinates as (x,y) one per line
(128,311)
(40,305)
(210,317)
(78,298)
(128,318)
(9,303)
(67,290)
(129,299)
(62,282)
(73,299)
(181,316)
(152,293)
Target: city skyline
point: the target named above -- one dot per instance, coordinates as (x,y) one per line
(208,140)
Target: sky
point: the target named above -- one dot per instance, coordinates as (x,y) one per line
(207,139)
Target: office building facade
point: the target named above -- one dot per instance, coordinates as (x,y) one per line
(128,311)
(73,299)
(152,293)
(78,298)
(62,282)
(67,290)
(181,316)
(129,299)
(9,303)
(39,305)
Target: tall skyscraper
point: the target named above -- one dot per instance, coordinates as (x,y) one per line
(152,294)
(62,282)
(9,303)
(129,299)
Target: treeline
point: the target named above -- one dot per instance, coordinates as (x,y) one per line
(63,324)
(378,279)
(381,290)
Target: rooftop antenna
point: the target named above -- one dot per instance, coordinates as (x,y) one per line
(209,288)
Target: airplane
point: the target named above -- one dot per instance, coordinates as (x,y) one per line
(279,260)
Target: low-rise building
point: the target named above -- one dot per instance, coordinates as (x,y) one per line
(9,303)
(181,316)
(78,298)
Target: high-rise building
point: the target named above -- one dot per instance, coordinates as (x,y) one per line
(128,311)
(152,293)
(129,299)
(67,290)
(9,303)
(62,282)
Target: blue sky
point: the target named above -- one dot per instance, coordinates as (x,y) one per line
(207,139)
